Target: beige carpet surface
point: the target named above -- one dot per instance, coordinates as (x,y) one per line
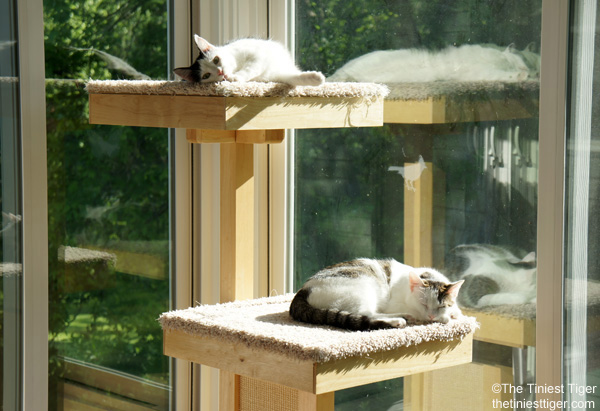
(235,89)
(394,91)
(468,89)
(528,311)
(265,324)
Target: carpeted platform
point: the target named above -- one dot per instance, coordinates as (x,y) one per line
(266,324)
(235,89)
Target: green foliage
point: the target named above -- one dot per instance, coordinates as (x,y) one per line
(105,184)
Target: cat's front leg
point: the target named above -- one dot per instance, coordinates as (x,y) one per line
(395,320)
(249,73)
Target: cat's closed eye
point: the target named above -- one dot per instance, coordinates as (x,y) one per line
(205,76)
(216,60)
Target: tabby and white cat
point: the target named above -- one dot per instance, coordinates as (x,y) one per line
(369,294)
(247,60)
(493,275)
(464,63)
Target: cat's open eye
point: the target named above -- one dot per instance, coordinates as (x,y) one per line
(425,283)
(216,60)
(205,76)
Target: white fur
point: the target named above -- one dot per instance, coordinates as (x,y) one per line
(253,60)
(373,296)
(517,286)
(464,63)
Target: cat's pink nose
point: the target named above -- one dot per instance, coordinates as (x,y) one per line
(220,72)
(431,317)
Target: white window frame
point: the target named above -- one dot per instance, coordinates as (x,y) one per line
(35,207)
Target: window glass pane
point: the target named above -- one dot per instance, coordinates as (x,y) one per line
(10,228)
(582,246)
(108,211)
(470,197)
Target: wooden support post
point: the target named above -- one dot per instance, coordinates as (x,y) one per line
(237,222)
(314,402)
(198,136)
(418,217)
(229,391)
(259,136)
(210,136)
(236,244)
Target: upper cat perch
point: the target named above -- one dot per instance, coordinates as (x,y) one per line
(235,106)
(267,106)
(258,338)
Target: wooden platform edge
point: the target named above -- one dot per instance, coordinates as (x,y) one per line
(317,378)
(504,330)
(235,113)
(401,362)
(445,110)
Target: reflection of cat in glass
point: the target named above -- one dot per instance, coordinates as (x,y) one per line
(493,275)
(464,63)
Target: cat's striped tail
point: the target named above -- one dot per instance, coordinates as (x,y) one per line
(301,310)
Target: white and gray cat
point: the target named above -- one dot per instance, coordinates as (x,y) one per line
(247,60)
(493,275)
(464,63)
(368,294)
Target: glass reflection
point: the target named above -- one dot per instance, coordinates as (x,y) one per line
(459,150)
(108,210)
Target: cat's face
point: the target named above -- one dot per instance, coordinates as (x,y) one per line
(516,62)
(435,296)
(213,64)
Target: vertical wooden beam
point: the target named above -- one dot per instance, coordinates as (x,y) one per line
(236,244)
(313,402)
(229,391)
(237,222)
(418,218)
(210,136)
(418,247)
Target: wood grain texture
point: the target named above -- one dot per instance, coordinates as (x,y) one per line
(234,113)
(314,402)
(237,222)
(445,110)
(418,219)
(428,356)
(504,330)
(157,111)
(317,378)
(240,359)
(199,136)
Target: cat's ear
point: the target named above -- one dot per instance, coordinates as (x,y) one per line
(530,47)
(414,280)
(186,73)
(453,288)
(202,44)
(529,258)
(510,48)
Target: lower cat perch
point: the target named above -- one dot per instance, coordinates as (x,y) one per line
(257,338)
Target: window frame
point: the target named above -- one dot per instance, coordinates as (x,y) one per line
(35,207)
(198,166)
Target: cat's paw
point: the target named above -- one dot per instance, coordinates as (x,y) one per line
(444,319)
(397,322)
(234,77)
(311,78)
